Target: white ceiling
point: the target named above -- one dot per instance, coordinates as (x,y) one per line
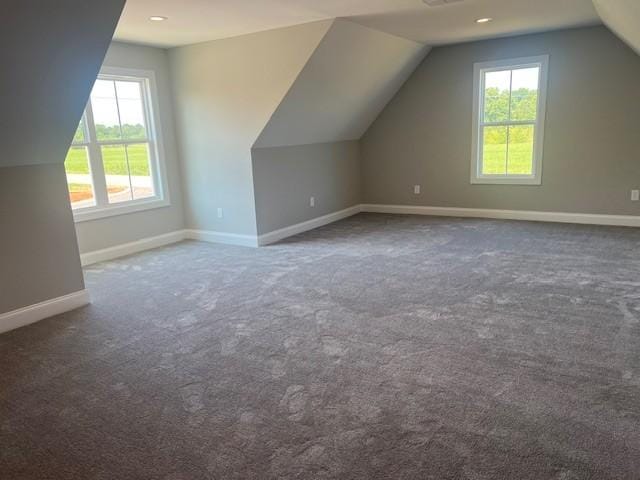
(623,17)
(192,21)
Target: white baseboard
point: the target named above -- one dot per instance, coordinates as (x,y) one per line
(535,216)
(270,237)
(131,247)
(212,236)
(276,235)
(149,243)
(222,237)
(39,311)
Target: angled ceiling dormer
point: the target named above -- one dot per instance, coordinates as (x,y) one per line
(346,82)
(623,18)
(51,56)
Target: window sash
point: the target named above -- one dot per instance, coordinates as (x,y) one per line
(95,158)
(477,160)
(508,145)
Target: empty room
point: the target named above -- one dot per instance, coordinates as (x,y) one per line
(320,240)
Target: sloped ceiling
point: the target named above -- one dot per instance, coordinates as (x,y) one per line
(623,18)
(51,55)
(343,87)
(192,21)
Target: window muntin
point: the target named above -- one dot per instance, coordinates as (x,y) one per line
(113,160)
(508,123)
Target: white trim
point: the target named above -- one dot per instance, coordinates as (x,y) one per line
(479,70)
(131,206)
(276,235)
(212,236)
(150,243)
(124,249)
(527,215)
(222,237)
(39,311)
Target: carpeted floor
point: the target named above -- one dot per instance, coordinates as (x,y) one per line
(379,347)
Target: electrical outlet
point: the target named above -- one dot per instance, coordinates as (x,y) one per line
(416,189)
(312,201)
(220,215)
(635,195)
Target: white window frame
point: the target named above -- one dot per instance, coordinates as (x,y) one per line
(156,152)
(479,71)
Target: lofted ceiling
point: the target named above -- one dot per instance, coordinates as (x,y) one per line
(193,21)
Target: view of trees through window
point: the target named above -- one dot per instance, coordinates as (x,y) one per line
(508,123)
(121,142)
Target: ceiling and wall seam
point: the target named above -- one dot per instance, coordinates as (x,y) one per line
(622,17)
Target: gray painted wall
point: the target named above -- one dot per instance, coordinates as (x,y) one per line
(43,92)
(343,87)
(225,91)
(285,178)
(50,58)
(111,231)
(592,146)
(38,252)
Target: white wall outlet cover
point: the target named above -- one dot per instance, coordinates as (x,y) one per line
(312,201)
(416,189)
(220,213)
(635,195)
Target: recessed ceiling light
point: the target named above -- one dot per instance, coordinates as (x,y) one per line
(484,20)
(157,18)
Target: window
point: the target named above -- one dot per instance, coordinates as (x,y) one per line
(508,121)
(113,165)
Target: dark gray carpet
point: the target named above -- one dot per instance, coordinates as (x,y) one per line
(380,347)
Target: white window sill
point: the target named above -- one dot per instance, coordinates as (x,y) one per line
(498,180)
(96,213)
